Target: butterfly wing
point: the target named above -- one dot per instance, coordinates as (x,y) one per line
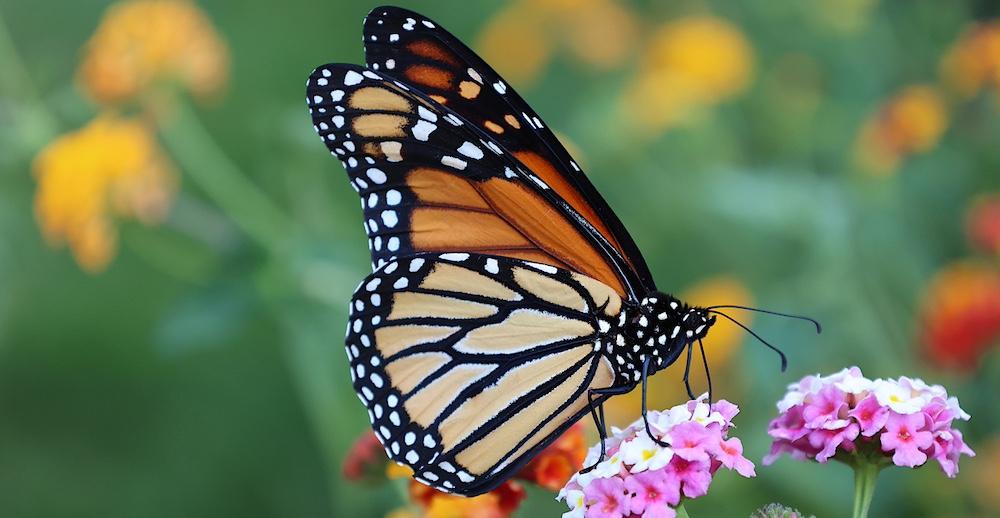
(469,364)
(431,182)
(419,52)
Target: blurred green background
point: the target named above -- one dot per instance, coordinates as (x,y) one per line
(183,356)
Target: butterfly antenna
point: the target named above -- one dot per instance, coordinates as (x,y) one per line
(819,328)
(784,359)
(708,373)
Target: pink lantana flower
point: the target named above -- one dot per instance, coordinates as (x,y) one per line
(640,478)
(905,436)
(607,498)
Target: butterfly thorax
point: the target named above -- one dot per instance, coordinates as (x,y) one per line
(659,327)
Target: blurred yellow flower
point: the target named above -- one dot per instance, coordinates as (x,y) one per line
(395,470)
(111,167)
(143,42)
(667,388)
(973,62)
(911,122)
(521,39)
(689,63)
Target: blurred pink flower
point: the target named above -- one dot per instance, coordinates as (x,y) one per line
(857,420)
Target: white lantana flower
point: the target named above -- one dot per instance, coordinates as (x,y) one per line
(575,500)
(854,383)
(642,453)
(900,399)
(792,397)
(957,410)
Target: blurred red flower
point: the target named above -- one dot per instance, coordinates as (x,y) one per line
(960,317)
(365,461)
(982,223)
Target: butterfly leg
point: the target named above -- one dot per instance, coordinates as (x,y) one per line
(597,412)
(687,372)
(645,418)
(708,374)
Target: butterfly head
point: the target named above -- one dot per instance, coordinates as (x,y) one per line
(662,326)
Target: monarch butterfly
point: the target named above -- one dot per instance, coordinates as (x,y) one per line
(507,299)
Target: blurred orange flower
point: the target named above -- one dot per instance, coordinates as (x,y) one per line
(521,39)
(960,314)
(909,123)
(554,466)
(111,167)
(667,388)
(973,62)
(689,63)
(367,462)
(143,42)
(982,223)
(499,503)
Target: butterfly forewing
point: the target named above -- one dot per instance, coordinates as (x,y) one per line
(430,182)
(415,50)
(468,363)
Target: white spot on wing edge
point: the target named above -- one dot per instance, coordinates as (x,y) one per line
(543,267)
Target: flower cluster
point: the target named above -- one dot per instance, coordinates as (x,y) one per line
(642,478)
(110,168)
(846,415)
(140,43)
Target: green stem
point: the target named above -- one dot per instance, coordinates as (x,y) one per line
(193,147)
(865,474)
(682,512)
(315,371)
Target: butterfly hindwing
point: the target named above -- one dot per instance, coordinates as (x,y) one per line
(430,182)
(469,364)
(419,52)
